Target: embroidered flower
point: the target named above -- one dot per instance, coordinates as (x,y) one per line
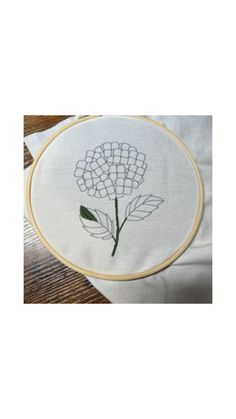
(111,170)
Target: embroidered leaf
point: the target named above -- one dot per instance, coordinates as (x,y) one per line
(97,224)
(85,213)
(142,206)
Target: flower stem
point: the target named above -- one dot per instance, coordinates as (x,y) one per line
(117,228)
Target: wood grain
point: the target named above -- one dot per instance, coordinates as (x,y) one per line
(46,280)
(35,123)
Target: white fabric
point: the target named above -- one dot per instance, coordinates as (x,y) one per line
(188,279)
(56,197)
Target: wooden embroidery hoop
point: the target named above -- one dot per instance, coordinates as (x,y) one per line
(147,272)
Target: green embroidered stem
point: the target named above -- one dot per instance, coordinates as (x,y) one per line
(117,228)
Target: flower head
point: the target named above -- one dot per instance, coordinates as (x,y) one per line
(112,169)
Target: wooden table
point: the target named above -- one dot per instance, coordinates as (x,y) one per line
(46,280)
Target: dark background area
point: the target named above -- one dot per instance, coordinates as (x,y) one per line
(46,280)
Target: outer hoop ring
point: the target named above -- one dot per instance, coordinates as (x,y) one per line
(147,272)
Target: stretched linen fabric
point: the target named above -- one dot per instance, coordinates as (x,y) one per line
(119,180)
(188,279)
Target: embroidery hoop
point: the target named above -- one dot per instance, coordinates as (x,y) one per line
(147,272)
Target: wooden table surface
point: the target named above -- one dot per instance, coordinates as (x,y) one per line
(46,280)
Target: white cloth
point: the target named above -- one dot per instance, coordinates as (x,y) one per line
(155,184)
(188,279)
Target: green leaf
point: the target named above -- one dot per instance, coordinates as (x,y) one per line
(85,213)
(104,227)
